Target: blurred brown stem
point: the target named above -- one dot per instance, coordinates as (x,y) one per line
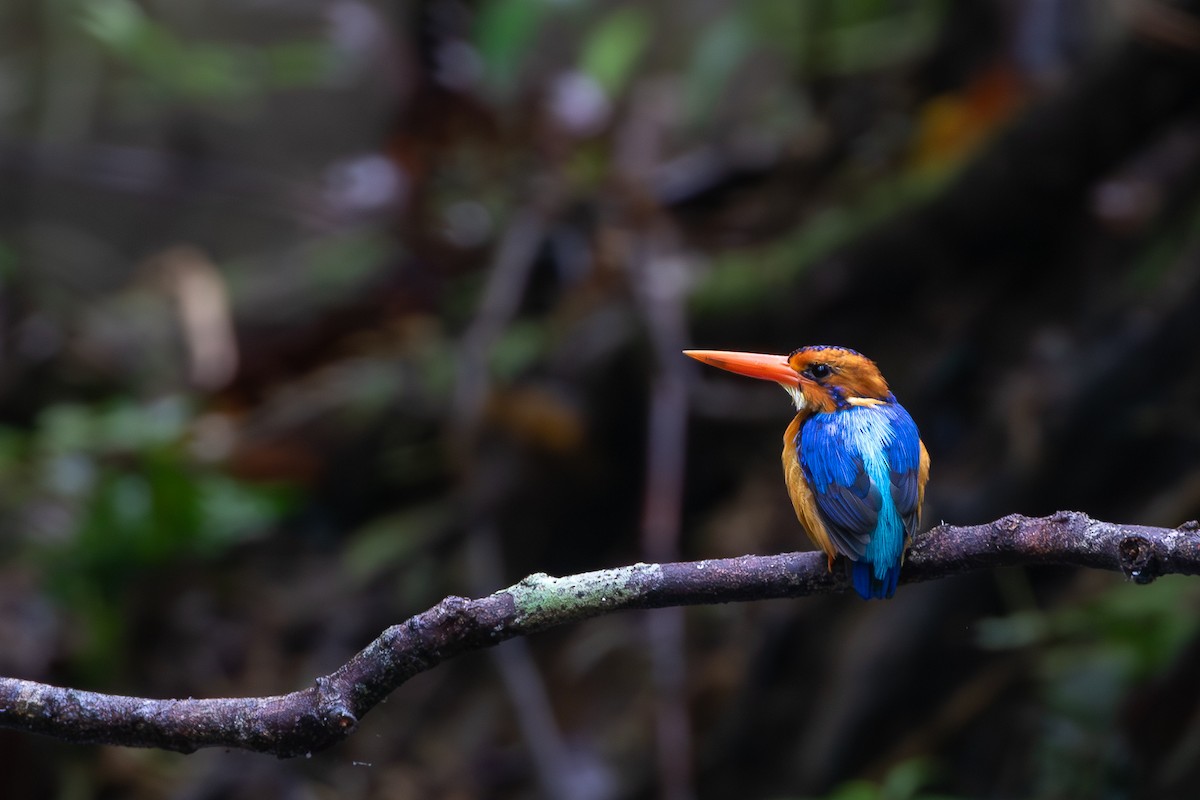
(657,278)
(317,717)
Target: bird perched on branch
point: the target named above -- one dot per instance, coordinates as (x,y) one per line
(854,464)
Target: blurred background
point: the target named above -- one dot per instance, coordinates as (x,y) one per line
(315,312)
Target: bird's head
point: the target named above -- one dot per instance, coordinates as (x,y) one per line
(818,377)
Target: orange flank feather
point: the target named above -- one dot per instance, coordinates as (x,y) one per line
(802,496)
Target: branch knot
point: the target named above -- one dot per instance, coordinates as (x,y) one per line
(1136,556)
(328,711)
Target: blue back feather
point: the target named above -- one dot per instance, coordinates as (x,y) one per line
(862,464)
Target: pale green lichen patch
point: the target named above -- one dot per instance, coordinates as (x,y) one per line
(542,599)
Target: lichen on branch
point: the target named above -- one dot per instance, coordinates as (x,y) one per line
(328,711)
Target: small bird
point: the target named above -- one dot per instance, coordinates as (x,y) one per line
(854,464)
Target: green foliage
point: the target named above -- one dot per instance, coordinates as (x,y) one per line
(504,31)
(194,71)
(1162,252)
(722,46)
(110,491)
(521,345)
(907,780)
(339,265)
(746,277)
(399,544)
(1134,630)
(1087,657)
(873,34)
(9,262)
(613,47)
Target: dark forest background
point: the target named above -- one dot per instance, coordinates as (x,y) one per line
(312,313)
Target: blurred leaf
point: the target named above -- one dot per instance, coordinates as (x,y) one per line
(9,261)
(1163,251)
(1087,657)
(232,511)
(69,474)
(870,34)
(904,781)
(853,13)
(339,265)
(131,500)
(369,387)
(143,425)
(117,427)
(199,70)
(388,542)
(1137,626)
(785,24)
(136,519)
(323,272)
(855,790)
(435,364)
(65,428)
(414,462)
(117,23)
(99,651)
(297,64)
(1020,629)
(614,46)
(720,50)
(504,30)
(743,278)
(217,71)
(123,494)
(13,448)
(520,346)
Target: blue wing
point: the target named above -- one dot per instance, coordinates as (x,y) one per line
(847,501)
(850,458)
(846,497)
(904,460)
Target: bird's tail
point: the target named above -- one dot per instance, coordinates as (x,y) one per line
(870,587)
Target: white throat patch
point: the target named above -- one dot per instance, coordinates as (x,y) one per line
(797,396)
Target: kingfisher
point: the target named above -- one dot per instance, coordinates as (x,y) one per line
(854,464)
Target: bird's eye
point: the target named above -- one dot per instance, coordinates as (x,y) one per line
(819,371)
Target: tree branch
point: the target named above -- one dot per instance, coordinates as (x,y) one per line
(315,718)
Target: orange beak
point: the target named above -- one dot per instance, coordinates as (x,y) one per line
(752,365)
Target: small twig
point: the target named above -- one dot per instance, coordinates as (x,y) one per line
(506,284)
(327,712)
